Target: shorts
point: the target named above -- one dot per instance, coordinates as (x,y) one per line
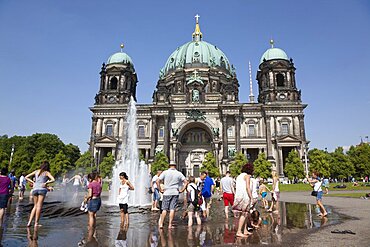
(191,208)
(169,202)
(23,188)
(94,205)
(228,199)
(123,207)
(276,196)
(264,194)
(156,195)
(319,195)
(3,200)
(39,192)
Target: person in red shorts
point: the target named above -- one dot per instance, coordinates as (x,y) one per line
(228,191)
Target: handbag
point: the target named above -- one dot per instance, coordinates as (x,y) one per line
(314,193)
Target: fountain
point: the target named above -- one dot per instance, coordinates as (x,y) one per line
(137,171)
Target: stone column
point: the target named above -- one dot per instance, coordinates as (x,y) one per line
(120,129)
(153,136)
(146,155)
(116,125)
(99,127)
(268,138)
(237,133)
(93,127)
(281,162)
(301,127)
(166,142)
(224,138)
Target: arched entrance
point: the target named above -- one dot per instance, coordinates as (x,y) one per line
(195,142)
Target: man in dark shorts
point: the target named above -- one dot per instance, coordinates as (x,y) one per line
(171,179)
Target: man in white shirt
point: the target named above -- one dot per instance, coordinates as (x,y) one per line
(155,191)
(228,191)
(171,179)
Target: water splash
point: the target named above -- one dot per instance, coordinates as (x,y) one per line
(137,171)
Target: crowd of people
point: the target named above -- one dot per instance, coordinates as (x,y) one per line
(239,194)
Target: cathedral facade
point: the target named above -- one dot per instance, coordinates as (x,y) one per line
(196,109)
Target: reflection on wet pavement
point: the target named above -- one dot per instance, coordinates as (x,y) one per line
(63,224)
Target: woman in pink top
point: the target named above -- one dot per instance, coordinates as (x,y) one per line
(4,192)
(93,197)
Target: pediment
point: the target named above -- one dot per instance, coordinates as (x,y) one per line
(106,139)
(288,138)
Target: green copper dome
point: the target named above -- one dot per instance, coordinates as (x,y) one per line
(119,57)
(274,53)
(197,52)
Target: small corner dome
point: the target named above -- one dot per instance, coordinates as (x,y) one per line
(120,57)
(274,53)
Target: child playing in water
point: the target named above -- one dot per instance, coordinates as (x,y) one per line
(263,192)
(122,198)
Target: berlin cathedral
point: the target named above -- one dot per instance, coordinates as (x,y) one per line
(196,109)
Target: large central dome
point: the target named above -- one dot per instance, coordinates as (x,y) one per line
(197,52)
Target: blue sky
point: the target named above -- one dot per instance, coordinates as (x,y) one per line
(51,54)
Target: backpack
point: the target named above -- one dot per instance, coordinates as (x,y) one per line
(198,199)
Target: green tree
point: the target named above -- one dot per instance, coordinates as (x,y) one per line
(60,164)
(22,161)
(72,152)
(4,159)
(340,165)
(40,156)
(236,165)
(262,167)
(106,166)
(209,164)
(141,156)
(319,161)
(85,162)
(294,166)
(359,156)
(160,163)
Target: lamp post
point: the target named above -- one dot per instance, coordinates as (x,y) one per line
(305,158)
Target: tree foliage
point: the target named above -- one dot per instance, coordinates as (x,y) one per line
(85,163)
(60,164)
(160,163)
(106,166)
(262,167)
(30,151)
(209,164)
(359,156)
(340,165)
(294,167)
(319,161)
(236,165)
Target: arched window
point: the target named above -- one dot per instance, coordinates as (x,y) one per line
(109,130)
(141,131)
(230,132)
(251,129)
(284,128)
(113,83)
(280,80)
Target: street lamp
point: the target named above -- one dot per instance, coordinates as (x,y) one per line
(305,157)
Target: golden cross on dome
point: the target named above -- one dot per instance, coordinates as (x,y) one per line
(122,46)
(197,18)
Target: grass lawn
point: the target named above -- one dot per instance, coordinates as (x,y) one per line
(306,187)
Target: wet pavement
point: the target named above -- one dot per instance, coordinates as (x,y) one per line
(63,224)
